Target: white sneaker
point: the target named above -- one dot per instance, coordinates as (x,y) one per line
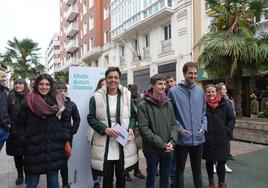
(214,169)
(227,169)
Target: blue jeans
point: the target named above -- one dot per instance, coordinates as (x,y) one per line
(52,180)
(173,168)
(3,137)
(152,160)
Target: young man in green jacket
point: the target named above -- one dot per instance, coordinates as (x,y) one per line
(157,126)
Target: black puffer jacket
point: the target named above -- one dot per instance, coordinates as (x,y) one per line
(43,141)
(220,124)
(15,101)
(70,113)
(4,119)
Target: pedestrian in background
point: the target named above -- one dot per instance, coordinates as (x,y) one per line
(42,132)
(16,98)
(71,119)
(221,120)
(157,126)
(112,105)
(190,110)
(4,119)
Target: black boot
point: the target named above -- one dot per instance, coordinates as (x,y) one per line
(19,179)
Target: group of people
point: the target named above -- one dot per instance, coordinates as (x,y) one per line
(168,122)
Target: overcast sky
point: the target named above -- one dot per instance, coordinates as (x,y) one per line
(35,19)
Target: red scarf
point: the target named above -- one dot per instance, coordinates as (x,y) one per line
(38,105)
(214,103)
(159,99)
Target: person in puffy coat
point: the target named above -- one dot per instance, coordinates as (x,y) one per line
(221,119)
(42,133)
(16,99)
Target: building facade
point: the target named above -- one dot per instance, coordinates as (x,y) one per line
(52,54)
(84,32)
(152,36)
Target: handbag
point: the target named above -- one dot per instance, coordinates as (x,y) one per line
(68,149)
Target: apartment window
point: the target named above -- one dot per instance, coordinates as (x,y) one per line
(91,3)
(106,59)
(91,22)
(56,47)
(136,44)
(167,32)
(122,50)
(91,43)
(84,7)
(147,40)
(106,37)
(85,28)
(106,13)
(85,47)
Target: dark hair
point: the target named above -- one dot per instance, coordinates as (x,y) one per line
(156,77)
(188,65)
(133,88)
(112,69)
(61,85)
(14,94)
(210,85)
(170,77)
(99,84)
(51,97)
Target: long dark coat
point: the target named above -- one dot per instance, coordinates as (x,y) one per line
(43,141)
(220,125)
(15,101)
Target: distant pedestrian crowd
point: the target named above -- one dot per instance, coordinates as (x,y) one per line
(167,123)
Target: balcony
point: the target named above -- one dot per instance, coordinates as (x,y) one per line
(152,14)
(122,60)
(68,62)
(92,55)
(72,29)
(69,2)
(71,13)
(146,52)
(72,45)
(165,46)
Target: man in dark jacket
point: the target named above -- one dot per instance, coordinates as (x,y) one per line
(4,120)
(157,125)
(70,113)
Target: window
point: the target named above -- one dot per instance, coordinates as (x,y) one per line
(91,22)
(167,32)
(85,28)
(84,7)
(91,3)
(85,47)
(122,50)
(147,40)
(106,37)
(136,44)
(106,13)
(91,43)
(106,59)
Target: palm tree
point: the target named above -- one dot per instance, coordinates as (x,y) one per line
(22,58)
(234,44)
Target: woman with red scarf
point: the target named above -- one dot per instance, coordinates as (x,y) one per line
(221,119)
(42,133)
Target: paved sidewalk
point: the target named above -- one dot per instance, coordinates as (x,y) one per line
(239,149)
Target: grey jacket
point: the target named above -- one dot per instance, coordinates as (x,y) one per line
(190,110)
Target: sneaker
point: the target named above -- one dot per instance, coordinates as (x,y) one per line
(227,169)
(128,178)
(139,175)
(214,169)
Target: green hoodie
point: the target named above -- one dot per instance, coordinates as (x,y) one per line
(157,125)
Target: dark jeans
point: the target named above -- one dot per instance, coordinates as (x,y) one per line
(173,169)
(3,137)
(19,163)
(152,160)
(52,180)
(195,153)
(118,167)
(64,174)
(220,170)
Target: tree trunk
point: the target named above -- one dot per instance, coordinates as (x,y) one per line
(237,96)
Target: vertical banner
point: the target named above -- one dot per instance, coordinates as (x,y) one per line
(82,84)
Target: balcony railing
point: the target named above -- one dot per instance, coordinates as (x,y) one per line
(166,45)
(72,12)
(146,52)
(72,29)
(72,45)
(69,2)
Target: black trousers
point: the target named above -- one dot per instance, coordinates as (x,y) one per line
(196,154)
(220,170)
(64,174)
(117,167)
(19,163)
